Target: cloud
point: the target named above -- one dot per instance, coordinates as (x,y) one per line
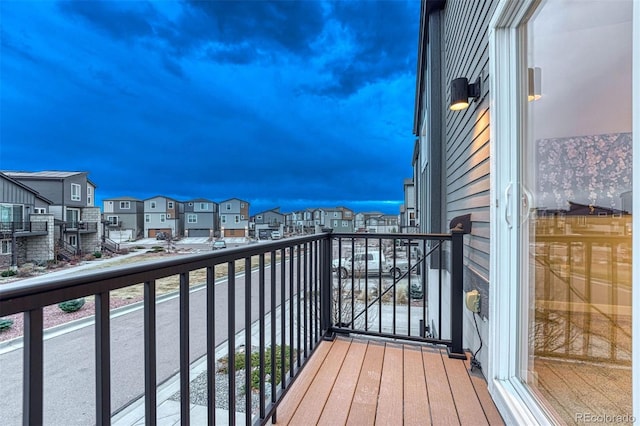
(280,101)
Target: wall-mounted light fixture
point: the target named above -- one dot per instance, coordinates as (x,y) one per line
(461,91)
(535,83)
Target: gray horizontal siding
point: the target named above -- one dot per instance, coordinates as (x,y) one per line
(465,54)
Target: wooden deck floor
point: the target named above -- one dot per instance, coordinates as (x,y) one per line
(366,382)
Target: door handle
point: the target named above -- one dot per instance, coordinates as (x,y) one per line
(507,205)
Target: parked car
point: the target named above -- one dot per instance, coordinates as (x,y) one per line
(372,262)
(275,235)
(218,245)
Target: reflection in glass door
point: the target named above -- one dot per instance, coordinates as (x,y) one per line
(576,174)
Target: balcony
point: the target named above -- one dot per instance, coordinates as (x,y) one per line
(23,228)
(81,227)
(379,335)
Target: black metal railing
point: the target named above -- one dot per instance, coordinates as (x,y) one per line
(381,283)
(81,226)
(270,303)
(15,227)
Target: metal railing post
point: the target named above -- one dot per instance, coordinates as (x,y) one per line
(455,350)
(326,283)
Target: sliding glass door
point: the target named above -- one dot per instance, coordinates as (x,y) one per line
(575,208)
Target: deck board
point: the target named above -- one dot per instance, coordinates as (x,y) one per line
(391,396)
(298,390)
(365,399)
(309,410)
(336,410)
(357,381)
(480,386)
(443,409)
(464,395)
(416,404)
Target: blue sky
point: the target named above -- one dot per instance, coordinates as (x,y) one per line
(283,104)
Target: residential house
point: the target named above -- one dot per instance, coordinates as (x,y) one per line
(76,219)
(408,208)
(268,221)
(525,108)
(201,218)
(340,219)
(26,228)
(123,218)
(367,221)
(234,218)
(308,221)
(162,217)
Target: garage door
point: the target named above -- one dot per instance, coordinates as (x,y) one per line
(234,233)
(154,232)
(198,233)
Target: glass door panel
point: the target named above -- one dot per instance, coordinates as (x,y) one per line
(576,175)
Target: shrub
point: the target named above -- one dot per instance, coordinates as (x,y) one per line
(255,364)
(8,273)
(97,254)
(71,305)
(5,324)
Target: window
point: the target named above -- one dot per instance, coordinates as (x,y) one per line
(147,218)
(40,210)
(11,213)
(75,192)
(163,218)
(168,215)
(224,219)
(5,247)
(335,214)
(152,204)
(204,206)
(113,220)
(242,205)
(192,218)
(237,218)
(73,217)
(125,205)
(89,196)
(170,204)
(345,224)
(242,216)
(73,240)
(228,206)
(335,223)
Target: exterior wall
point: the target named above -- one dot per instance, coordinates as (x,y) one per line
(231,208)
(41,249)
(457,140)
(12,193)
(206,216)
(155,223)
(91,242)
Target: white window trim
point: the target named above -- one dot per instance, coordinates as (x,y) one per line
(74,196)
(192,218)
(513,399)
